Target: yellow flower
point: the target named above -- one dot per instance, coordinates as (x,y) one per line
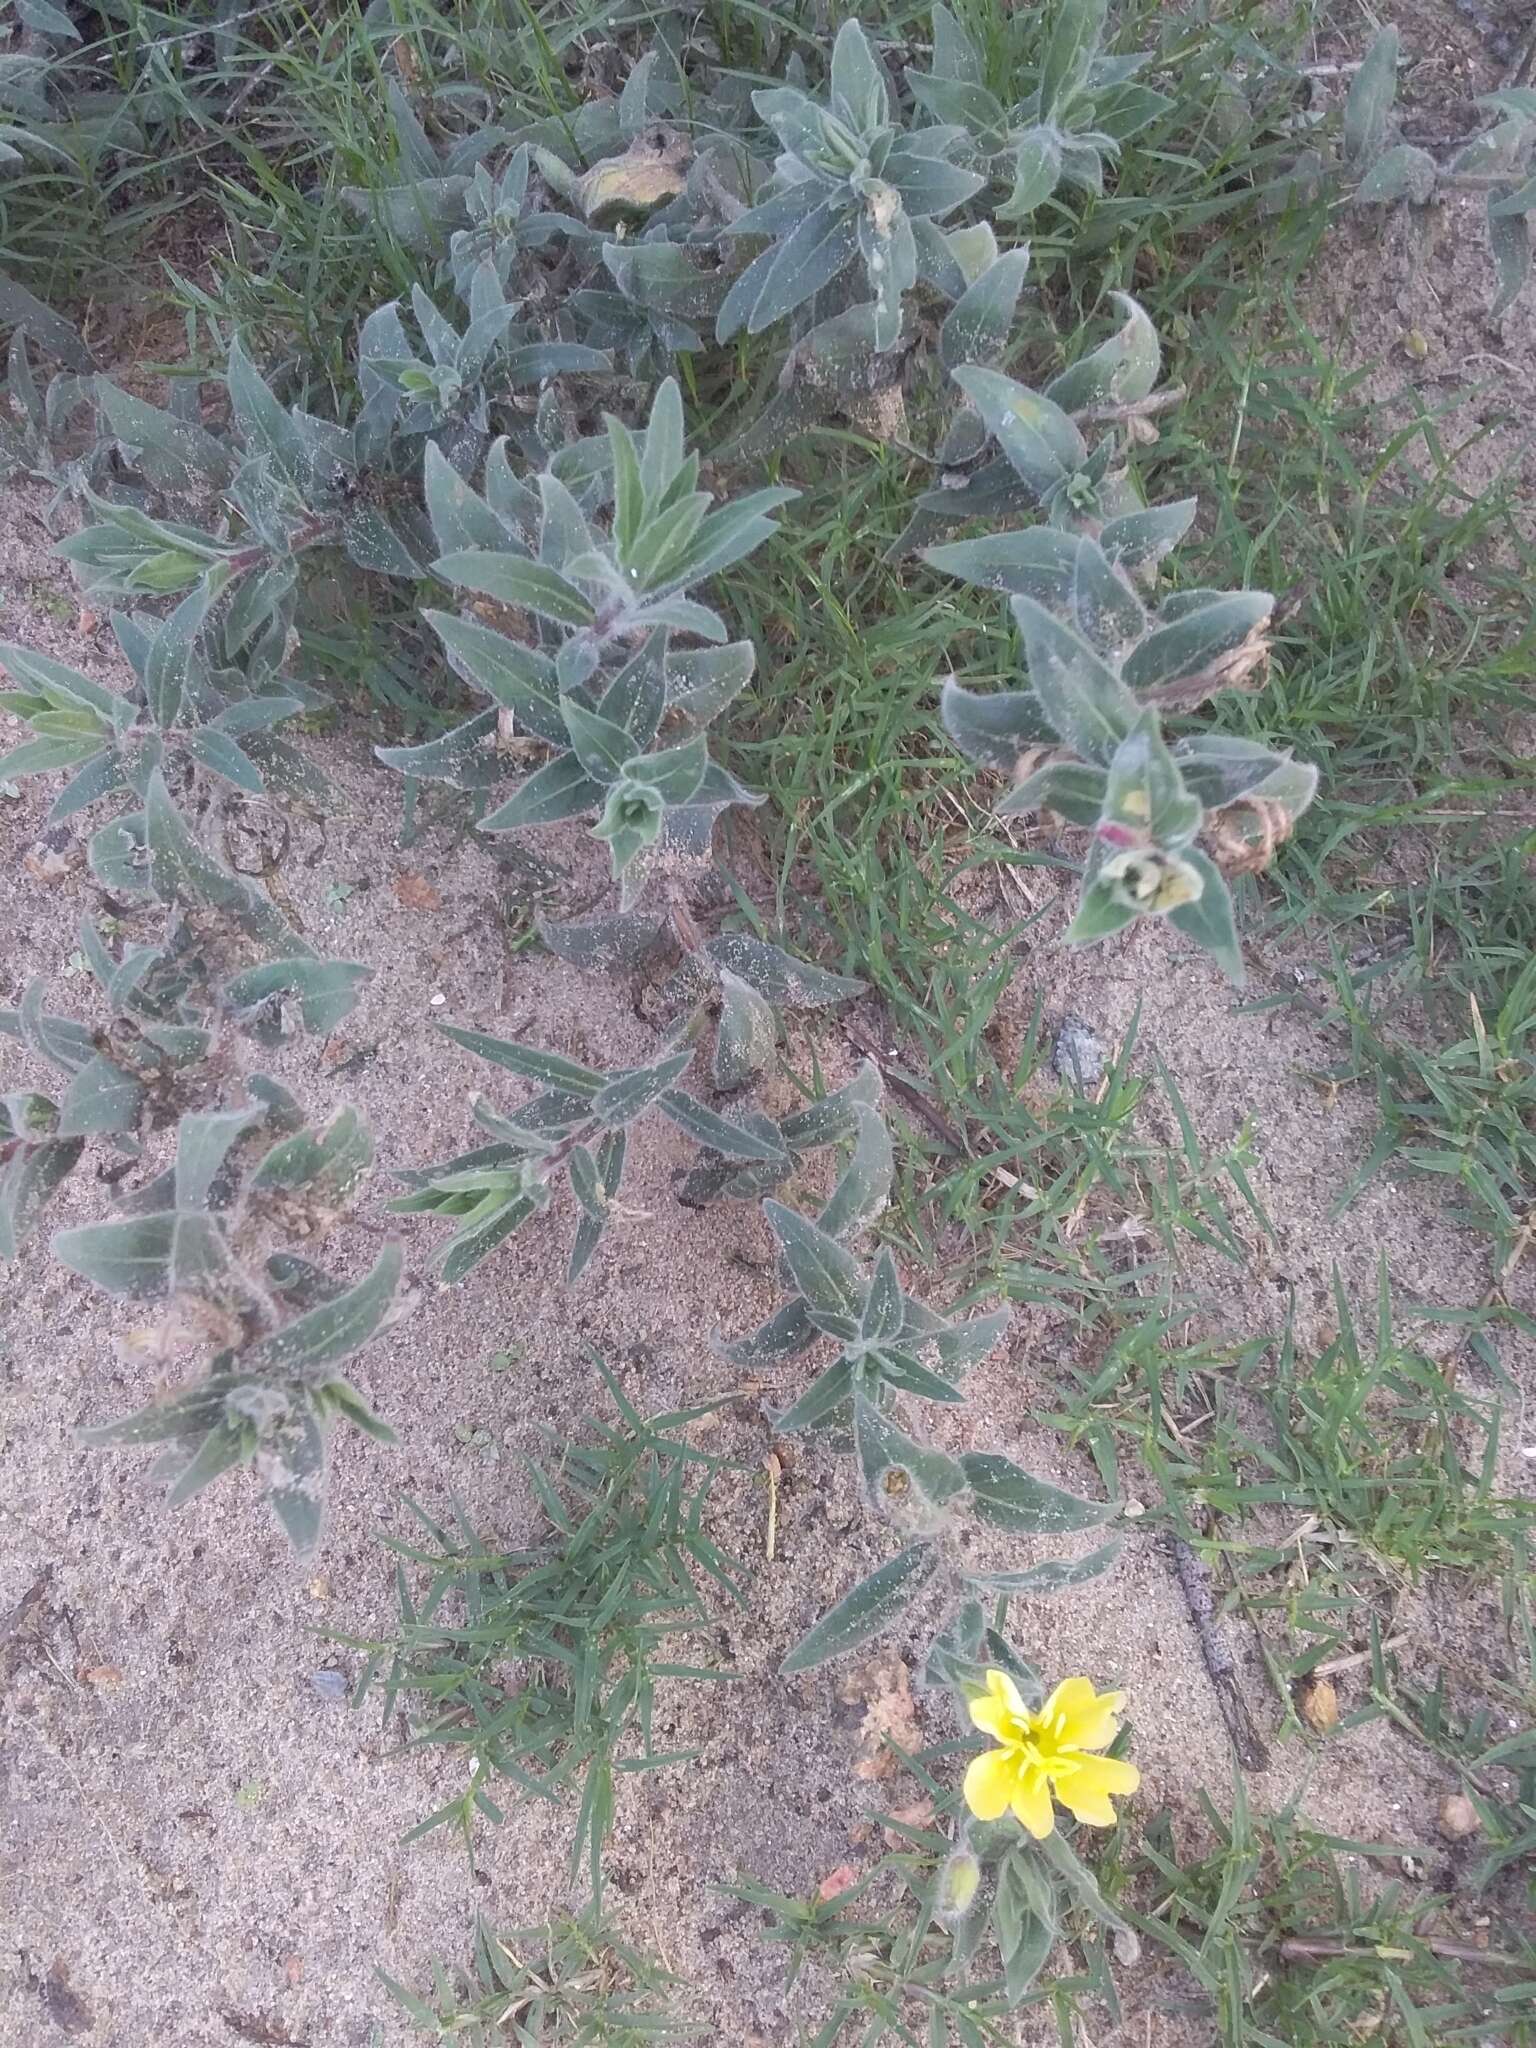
(1046,1752)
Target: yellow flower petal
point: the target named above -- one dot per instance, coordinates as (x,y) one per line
(1002,1711)
(990,1781)
(1031,1803)
(1085,1791)
(1080,1718)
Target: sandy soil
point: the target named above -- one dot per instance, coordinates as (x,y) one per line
(201,1847)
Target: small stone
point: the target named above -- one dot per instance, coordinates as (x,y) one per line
(1458,1817)
(1318,1705)
(1078,1054)
(331,1686)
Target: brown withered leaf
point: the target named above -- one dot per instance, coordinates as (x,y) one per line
(45,865)
(415,892)
(836,1882)
(919,1814)
(1318,1705)
(883,1687)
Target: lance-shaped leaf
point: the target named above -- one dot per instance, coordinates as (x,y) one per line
(977,327)
(1024,1914)
(1368,108)
(787,982)
(1052,1575)
(510,579)
(531,1063)
(521,679)
(1077,31)
(1121,370)
(560,789)
(628,1096)
(1210,919)
(823,1272)
(595,1180)
(131,1256)
(463,757)
(1007,1497)
(869,1610)
(326,991)
(1191,640)
(331,1333)
(787,1332)
(1087,704)
(1040,442)
(325,1165)
(864,1186)
(825,1399)
(994,730)
(1145,793)
(28,1178)
(101,1100)
(747,1035)
(707,1127)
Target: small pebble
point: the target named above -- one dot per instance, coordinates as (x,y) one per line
(331,1686)
(1078,1054)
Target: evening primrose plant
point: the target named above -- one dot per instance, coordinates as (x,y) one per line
(1169,820)
(1012,1870)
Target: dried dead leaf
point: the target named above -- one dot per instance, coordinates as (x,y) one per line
(835,1883)
(1318,1705)
(883,1687)
(415,892)
(45,865)
(918,1815)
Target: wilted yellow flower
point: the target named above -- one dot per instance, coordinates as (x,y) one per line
(1046,1752)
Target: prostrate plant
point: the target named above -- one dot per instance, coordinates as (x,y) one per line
(209,696)
(594,679)
(978,1885)
(830,1119)
(284,481)
(206,1236)
(891,1348)
(1085,739)
(1083,106)
(576,1127)
(568,1984)
(854,189)
(541,1661)
(206,702)
(35,422)
(593,579)
(1384,170)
